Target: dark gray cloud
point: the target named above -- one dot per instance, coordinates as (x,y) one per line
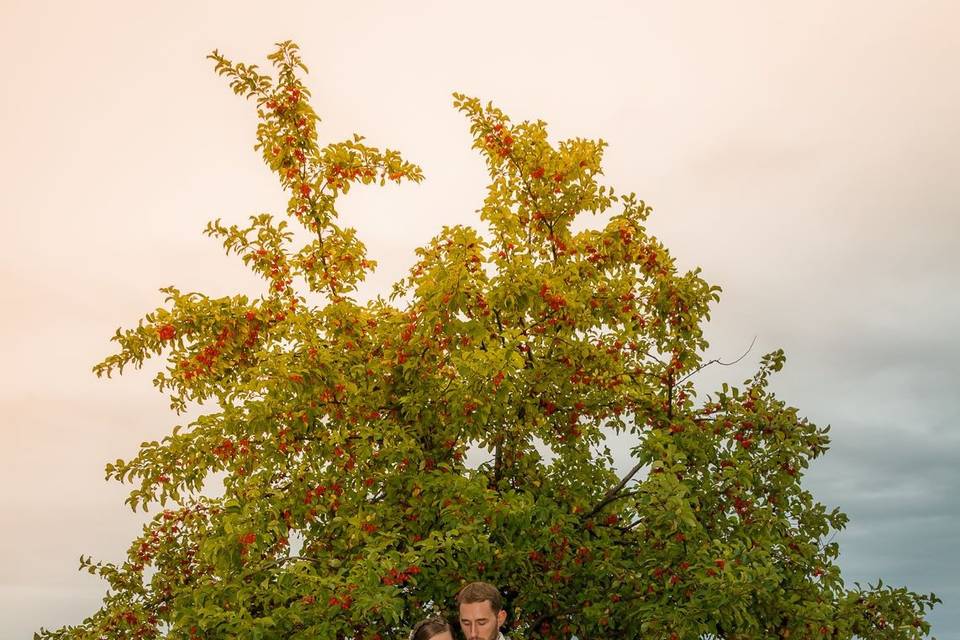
(890,397)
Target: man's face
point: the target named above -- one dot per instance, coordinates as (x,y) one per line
(479,622)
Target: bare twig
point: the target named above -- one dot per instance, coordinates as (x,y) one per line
(720,362)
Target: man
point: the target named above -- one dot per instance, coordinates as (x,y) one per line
(481,611)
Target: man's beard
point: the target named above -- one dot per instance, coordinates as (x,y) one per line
(492,634)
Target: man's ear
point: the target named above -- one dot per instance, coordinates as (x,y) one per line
(501,617)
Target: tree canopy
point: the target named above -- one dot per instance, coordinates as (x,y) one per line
(342,431)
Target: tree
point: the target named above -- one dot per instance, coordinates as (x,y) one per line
(340,430)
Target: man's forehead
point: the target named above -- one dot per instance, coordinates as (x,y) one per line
(480,609)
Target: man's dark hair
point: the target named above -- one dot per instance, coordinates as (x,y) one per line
(429,627)
(480,592)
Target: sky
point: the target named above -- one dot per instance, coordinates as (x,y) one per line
(803,154)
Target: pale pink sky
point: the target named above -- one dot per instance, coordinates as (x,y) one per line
(804,154)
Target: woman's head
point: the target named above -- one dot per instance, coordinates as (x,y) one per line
(433,628)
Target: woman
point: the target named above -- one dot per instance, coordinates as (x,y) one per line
(433,628)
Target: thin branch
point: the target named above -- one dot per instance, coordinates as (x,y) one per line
(498,464)
(719,362)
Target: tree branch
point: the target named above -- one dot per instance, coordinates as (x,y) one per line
(612,494)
